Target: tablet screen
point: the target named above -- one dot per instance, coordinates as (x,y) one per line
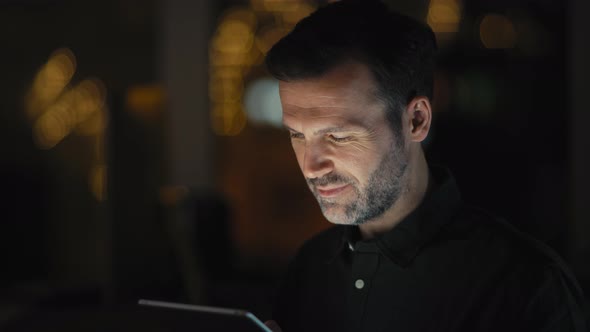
(178,317)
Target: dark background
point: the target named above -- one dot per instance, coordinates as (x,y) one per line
(167,201)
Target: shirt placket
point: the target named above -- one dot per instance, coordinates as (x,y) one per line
(365,261)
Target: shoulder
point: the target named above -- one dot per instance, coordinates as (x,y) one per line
(494,242)
(526,275)
(489,233)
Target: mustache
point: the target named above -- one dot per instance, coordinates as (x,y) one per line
(331,178)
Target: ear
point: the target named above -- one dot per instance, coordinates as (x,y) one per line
(419,118)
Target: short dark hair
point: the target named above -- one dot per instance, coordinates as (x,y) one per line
(398,50)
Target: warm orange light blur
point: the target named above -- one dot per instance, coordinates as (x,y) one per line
(220,59)
(50,81)
(97,180)
(497,32)
(444,16)
(145,100)
(49,130)
(222,89)
(238,45)
(89,97)
(228,119)
(296,13)
(75,106)
(266,38)
(244,15)
(275,5)
(233,36)
(95,124)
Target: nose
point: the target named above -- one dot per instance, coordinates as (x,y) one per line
(317,161)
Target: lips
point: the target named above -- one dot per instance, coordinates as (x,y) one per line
(332,191)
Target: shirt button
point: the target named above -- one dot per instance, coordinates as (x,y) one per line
(359,284)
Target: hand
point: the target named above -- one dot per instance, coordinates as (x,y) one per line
(271,324)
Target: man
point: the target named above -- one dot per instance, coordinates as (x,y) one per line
(406,253)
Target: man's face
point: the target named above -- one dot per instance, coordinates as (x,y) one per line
(353,162)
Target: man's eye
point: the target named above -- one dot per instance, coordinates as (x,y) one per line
(339,139)
(296,135)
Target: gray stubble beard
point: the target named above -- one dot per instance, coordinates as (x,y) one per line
(385,186)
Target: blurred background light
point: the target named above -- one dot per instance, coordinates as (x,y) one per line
(90,98)
(225,89)
(233,36)
(95,124)
(50,81)
(49,130)
(262,102)
(268,37)
(242,14)
(294,14)
(497,32)
(145,100)
(275,5)
(97,181)
(236,53)
(72,108)
(228,119)
(444,16)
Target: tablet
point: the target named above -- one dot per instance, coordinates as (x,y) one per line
(178,317)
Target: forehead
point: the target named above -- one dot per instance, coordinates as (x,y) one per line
(347,92)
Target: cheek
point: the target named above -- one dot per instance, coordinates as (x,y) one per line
(359,162)
(361,150)
(299,153)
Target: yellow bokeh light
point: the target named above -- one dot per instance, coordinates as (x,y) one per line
(218,59)
(145,100)
(244,15)
(228,119)
(50,81)
(97,179)
(275,5)
(229,72)
(64,59)
(49,130)
(237,49)
(291,17)
(444,16)
(497,32)
(95,124)
(233,36)
(74,107)
(90,96)
(225,90)
(266,38)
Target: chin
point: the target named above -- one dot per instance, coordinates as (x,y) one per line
(337,216)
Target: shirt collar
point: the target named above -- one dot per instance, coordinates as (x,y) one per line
(403,243)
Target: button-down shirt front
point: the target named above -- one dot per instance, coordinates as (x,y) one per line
(445,267)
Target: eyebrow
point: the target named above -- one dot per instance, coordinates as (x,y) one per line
(328,130)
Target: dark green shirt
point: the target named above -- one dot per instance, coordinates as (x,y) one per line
(446,267)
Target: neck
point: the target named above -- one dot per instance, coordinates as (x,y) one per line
(417,183)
